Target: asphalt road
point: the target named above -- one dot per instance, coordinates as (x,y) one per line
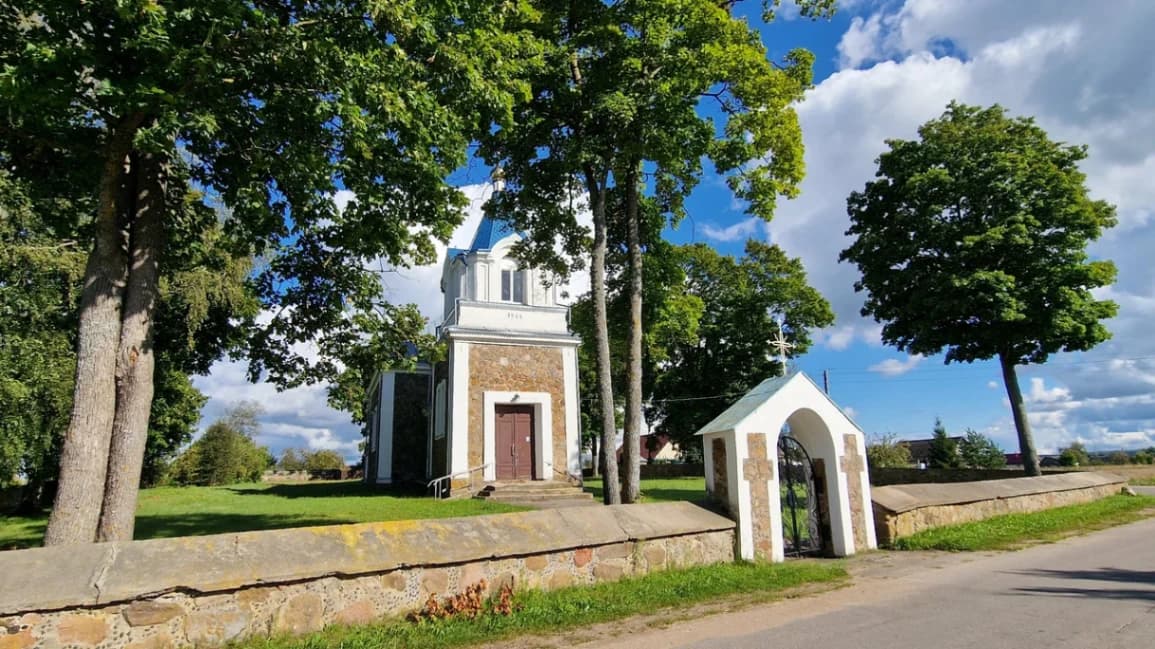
(1090,592)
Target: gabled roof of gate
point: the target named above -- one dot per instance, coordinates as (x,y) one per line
(750,402)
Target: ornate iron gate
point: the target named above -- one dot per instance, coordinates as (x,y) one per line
(801,520)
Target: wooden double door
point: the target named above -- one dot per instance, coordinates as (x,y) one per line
(515,445)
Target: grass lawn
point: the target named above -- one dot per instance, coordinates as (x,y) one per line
(195,511)
(537,612)
(1142,482)
(1015,530)
(656,490)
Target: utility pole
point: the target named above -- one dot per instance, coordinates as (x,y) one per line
(826,381)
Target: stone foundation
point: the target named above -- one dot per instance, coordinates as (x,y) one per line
(907,509)
(206,591)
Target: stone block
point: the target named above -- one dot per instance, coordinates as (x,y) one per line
(215,627)
(655,555)
(161,640)
(81,629)
(361,612)
(471,574)
(582,557)
(610,570)
(250,597)
(149,613)
(20,640)
(435,580)
(615,551)
(302,614)
(536,562)
(560,579)
(395,581)
(505,579)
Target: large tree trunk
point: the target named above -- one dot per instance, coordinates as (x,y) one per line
(610,493)
(135,358)
(1019,413)
(84,457)
(632,442)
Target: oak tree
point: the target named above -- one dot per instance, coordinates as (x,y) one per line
(273,105)
(973,240)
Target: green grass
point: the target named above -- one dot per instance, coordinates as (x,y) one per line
(195,511)
(660,489)
(1015,530)
(1142,482)
(538,612)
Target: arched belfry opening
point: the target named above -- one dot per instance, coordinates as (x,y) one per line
(789,465)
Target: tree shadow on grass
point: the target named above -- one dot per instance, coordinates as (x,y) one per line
(670,494)
(344,489)
(157,526)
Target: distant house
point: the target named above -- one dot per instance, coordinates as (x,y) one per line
(920,448)
(654,448)
(1016,459)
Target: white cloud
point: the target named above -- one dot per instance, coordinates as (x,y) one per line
(343,198)
(735,232)
(1039,393)
(861,42)
(896,367)
(1069,64)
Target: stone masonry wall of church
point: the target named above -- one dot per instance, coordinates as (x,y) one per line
(513,368)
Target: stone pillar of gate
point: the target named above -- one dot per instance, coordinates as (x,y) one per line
(741,478)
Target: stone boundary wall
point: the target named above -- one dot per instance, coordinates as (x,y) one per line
(906,475)
(305,476)
(208,590)
(903,510)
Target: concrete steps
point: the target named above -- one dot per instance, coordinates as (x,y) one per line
(540,494)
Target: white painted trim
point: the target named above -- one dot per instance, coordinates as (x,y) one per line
(458,443)
(387,393)
(458,334)
(740,497)
(572,403)
(542,429)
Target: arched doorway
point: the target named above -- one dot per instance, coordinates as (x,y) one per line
(800,493)
(744,472)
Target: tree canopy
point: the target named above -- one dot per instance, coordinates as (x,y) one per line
(742,300)
(977,451)
(269,107)
(972,239)
(631,100)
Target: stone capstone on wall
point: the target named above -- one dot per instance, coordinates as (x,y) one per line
(213,589)
(903,510)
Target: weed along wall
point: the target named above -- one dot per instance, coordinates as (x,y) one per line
(208,590)
(902,510)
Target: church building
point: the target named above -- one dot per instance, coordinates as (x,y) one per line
(503,405)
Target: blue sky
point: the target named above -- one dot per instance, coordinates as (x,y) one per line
(883,68)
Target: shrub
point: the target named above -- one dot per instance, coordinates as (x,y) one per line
(225,453)
(886,451)
(978,451)
(1074,455)
(943,449)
